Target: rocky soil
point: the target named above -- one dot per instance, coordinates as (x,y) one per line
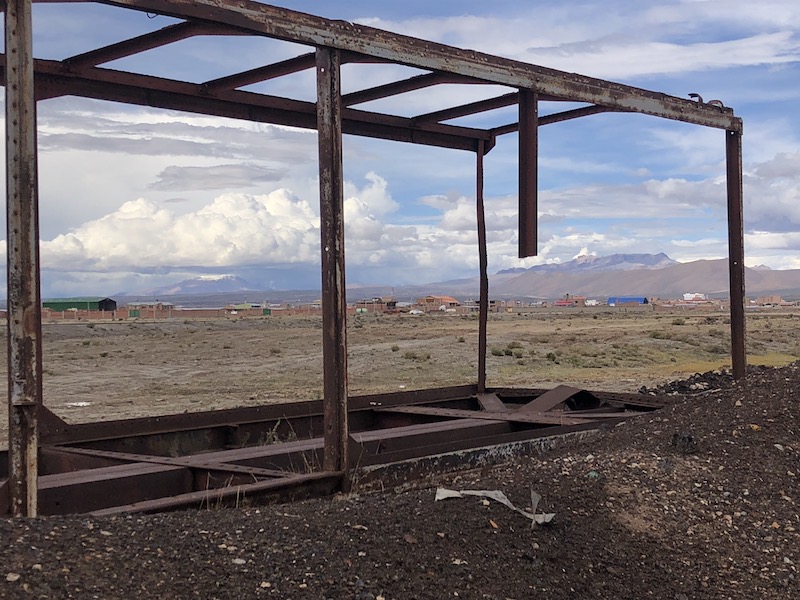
(699,500)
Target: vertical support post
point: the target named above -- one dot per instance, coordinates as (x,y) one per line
(334,306)
(528,172)
(483,295)
(733,157)
(22,220)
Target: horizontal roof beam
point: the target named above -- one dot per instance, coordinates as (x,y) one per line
(142,43)
(417,82)
(558,117)
(308,29)
(468,109)
(117,86)
(274,70)
(265,73)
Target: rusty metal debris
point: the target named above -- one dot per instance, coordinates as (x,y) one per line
(332,43)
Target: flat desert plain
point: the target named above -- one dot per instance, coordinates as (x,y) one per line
(120,369)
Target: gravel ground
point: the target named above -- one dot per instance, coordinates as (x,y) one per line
(699,500)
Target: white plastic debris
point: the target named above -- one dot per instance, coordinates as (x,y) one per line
(498,496)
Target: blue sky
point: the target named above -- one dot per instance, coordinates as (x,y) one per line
(133,198)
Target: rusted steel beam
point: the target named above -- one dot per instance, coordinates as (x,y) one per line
(467,109)
(512,416)
(316,31)
(490,433)
(93,489)
(131,88)
(286,489)
(733,156)
(414,437)
(265,73)
(491,402)
(204,461)
(24,303)
(299,416)
(626,400)
(528,172)
(417,82)
(142,43)
(559,396)
(483,294)
(554,118)
(334,305)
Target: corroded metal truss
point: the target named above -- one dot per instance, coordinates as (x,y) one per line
(330,44)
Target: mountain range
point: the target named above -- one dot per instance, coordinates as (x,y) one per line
(652,275)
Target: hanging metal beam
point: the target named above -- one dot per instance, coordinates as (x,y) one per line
(528,172)
(733,156)
(483,294)
(24,303)
(316,31)
(334,305)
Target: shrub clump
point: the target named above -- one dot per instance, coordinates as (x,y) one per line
(420,356)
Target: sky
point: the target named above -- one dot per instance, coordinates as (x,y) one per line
(134,198)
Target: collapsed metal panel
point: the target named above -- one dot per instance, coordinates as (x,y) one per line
(334,42)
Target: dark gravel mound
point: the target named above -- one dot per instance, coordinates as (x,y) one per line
(699,500)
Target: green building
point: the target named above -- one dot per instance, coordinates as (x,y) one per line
(87,303)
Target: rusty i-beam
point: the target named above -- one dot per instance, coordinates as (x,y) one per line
(24,306)
(334,303)
(733,160)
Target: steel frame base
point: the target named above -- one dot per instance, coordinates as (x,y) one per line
(254,455)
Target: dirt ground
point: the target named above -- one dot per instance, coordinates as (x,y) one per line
(696,501)
(113,370)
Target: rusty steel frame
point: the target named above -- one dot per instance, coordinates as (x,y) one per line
(221,457)
(332,44)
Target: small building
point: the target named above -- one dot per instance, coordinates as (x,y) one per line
(82,303)
(376,305)
(432,303)
(769,301)
(694,297)
(570,301)
(627,300)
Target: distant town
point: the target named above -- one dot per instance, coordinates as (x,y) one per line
(98,308)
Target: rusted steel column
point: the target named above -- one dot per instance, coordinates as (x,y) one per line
(528,171)
(24,306)
(733,155)
(483,295)
(334,305)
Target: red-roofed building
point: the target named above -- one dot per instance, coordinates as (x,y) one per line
(432,303)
